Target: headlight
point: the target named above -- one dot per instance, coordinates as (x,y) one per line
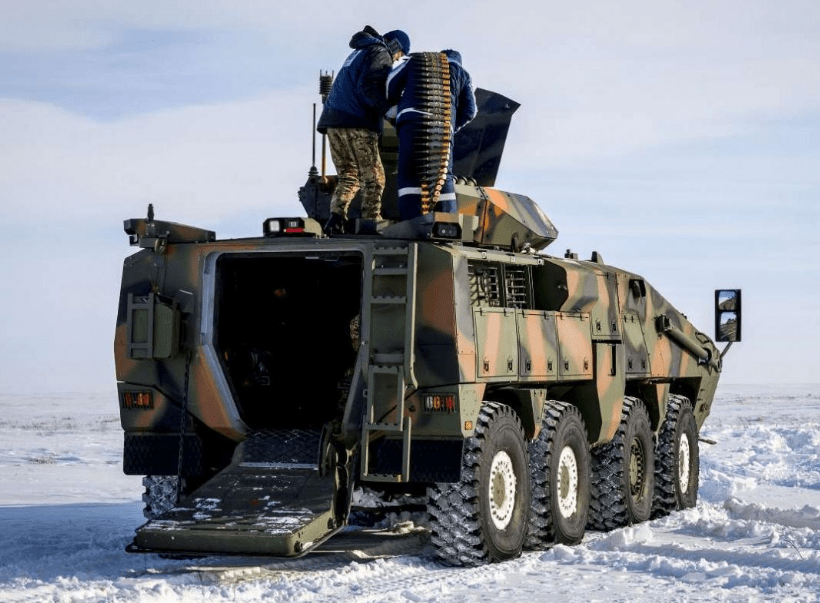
(272,226)
(278,226)
(446,230)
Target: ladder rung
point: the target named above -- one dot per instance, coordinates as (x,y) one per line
(389,300)
(389,271)
(390,427)
(385,370)
(382,477)
(388,359)
(390,251)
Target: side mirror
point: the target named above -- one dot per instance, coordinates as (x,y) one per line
(727,315)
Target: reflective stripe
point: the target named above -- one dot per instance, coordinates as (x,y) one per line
(447,197)
(397,68)
(351,58)
(410,190)
(412,110)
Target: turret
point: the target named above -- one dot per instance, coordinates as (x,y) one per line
(486,216)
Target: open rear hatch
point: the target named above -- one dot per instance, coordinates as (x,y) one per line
(275,498)
(283,331)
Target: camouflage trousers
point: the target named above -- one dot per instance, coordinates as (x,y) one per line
(355,153)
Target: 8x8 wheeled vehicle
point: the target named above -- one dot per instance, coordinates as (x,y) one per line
(528,397)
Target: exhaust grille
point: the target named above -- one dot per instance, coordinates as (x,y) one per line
(485,286)
(517,289)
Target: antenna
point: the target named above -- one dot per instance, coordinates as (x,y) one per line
(325,86)
(313,171)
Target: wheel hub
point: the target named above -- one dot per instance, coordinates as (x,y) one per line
(684,460)
(502,489)
(637,468)
(567,482)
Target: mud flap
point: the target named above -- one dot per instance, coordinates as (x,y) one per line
(274,499)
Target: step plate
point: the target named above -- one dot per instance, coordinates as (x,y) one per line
(267,502)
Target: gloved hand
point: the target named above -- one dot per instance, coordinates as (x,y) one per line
(391,114)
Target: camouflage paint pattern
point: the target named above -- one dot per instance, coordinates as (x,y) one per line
(381,347)
(505,218)
(355,153)
(442,328)
(584,331)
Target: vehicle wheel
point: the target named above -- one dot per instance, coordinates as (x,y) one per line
(623,472)
(483,518)
(559,470)
(160,494)
(677,459)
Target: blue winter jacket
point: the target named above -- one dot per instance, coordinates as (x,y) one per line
(402,90)
(357,98)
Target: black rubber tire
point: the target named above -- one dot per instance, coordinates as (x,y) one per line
(677,459)
(623,472)
(463,528)
(559,481)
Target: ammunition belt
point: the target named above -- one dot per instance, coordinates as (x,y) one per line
(432,149)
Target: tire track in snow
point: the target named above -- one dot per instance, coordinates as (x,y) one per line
(684,547)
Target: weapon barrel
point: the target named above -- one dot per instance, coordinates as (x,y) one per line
(685,341)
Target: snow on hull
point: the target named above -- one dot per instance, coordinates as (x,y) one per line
(67,513)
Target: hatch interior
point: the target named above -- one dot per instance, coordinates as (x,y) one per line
(286,332)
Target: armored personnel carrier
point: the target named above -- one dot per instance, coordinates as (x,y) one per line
(528,397)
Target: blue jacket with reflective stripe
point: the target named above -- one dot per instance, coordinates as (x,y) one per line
(357,98)
(402,90)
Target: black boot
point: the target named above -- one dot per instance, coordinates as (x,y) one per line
(334,224)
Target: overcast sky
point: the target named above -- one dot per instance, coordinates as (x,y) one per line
(680,139)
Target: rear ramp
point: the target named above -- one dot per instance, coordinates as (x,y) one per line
(273,499)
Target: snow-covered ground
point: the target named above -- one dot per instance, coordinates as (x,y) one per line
(67,512)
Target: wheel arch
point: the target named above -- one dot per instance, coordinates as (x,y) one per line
(472,522)
(528,404)
(655,396)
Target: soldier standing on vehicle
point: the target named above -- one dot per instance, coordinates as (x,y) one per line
(435,100)
(352,118)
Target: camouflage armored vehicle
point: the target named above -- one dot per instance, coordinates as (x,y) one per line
(528,397)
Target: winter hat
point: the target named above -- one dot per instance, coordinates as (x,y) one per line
(399,36)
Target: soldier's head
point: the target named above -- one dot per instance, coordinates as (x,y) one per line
(398,42)
(454,56)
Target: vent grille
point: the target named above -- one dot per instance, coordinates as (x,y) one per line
(485,284)
(516,282)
